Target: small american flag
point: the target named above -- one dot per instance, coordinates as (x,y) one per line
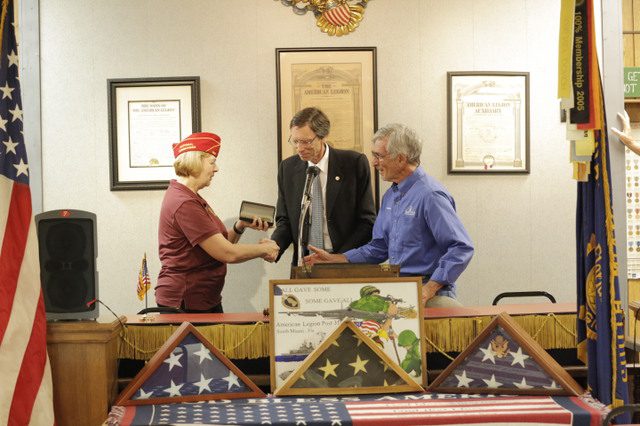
(26,389)
(144,282)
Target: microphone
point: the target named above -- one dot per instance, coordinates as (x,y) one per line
(312,172)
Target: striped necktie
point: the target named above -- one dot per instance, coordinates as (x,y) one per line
(316,237)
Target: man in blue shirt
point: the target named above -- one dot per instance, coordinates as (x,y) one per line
(417,226)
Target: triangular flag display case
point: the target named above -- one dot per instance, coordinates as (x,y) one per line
(187,368)
(504,359)
(347,362)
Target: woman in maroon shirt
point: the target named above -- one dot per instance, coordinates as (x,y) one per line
(194,244)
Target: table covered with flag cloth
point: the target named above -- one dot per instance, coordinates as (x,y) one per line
(388,410)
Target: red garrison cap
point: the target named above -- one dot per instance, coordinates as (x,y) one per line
(205,142)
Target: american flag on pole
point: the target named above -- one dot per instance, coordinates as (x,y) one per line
(26,389)
(144,282)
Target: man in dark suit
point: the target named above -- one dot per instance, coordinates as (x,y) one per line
(345,181)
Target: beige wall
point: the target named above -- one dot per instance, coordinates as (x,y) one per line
(523,225)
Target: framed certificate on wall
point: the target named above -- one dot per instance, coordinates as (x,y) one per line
(488,122)
(147,116)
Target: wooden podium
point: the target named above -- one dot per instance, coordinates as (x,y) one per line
(84,365)
(345,270)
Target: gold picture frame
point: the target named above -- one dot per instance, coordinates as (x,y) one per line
(342,82)
(375,372)
(305,312)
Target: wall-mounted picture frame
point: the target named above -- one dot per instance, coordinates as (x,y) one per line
(146,116)
(342,82)
(488,122)
(305,312)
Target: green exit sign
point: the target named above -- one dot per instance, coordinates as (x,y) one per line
(632,82)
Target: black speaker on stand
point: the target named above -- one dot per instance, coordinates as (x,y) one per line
(68,252)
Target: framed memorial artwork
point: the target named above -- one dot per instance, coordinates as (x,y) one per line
(488,122)
(342,83)
(147,116)
(304,313)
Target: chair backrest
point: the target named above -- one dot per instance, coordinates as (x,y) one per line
(523,294)
(633,408)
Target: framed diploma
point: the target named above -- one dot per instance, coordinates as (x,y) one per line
(146,116)
(339,81)
(488,122)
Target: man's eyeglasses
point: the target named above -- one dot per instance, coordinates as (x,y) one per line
(296,142)
(377,156)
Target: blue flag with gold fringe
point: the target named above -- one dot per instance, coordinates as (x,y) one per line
(600,316)
(600,323)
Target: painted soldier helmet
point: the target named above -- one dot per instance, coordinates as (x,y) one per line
(406,338)
(368,290)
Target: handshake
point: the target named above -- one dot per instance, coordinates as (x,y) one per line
(271,250)
(267,249)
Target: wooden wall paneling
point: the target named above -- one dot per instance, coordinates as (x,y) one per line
(629,50)
(627,15)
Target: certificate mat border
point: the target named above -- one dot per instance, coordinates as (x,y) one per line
(116,182)
(450,76)
(370,50)
(347,282)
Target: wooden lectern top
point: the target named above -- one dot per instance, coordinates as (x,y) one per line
(345,270)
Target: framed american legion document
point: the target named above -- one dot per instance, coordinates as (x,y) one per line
(306,312)
(147,116)
(488,122)
(342,83)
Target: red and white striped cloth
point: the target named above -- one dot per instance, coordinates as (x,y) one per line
(539,410)
(369,328)
(338,16)
(26,392)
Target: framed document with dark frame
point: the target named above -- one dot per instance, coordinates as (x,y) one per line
(339,81)
(488,122)
(146,116)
